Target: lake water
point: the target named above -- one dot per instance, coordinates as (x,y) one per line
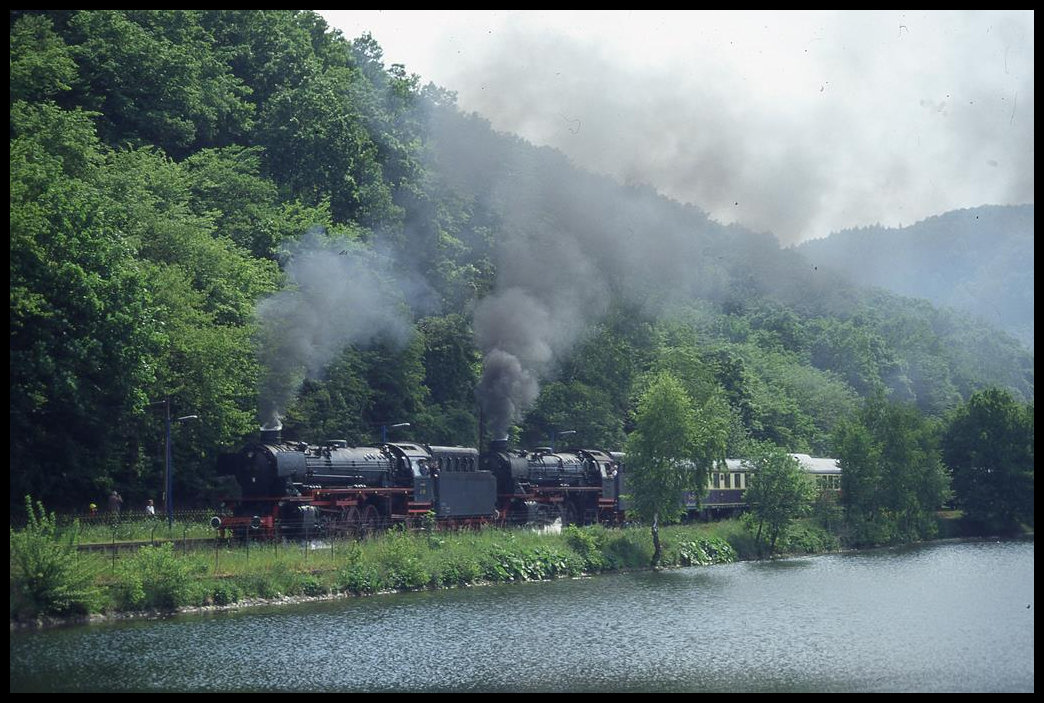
(943,617)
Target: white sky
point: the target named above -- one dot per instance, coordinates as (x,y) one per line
(800,123)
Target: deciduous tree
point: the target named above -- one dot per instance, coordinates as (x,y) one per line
(666,455)
(988,444)
(779,493)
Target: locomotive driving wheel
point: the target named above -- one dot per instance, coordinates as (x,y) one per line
(347,523)
(368,521)
(568,512)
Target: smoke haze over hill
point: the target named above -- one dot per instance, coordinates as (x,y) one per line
(798,123)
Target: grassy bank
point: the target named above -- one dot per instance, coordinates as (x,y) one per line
(52,581)
(51,578)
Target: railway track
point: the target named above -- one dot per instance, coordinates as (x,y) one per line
(129,546)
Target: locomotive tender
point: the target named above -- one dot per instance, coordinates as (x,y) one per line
(295,489)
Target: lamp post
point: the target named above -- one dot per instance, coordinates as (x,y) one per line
(385,428)
(168,503)
(559,434)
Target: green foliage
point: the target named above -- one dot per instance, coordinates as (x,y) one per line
(359,579)
(586,410)
(779,493)
(808,537)
(589,542)
(48,577)
(517,562)
(401,562)
(670,450)
(310,585)
(40,64)
(706,551)
(156,578)
(226,593)
(892,480)
(157,79)
(988,445)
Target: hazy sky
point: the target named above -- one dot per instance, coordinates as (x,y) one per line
(795,122)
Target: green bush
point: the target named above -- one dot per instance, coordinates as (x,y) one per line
(226,593)
(48,575)
(156,578)
(359,579)
(401,561)
(808,538)
(311,585)
(258,586)
(704,551)
(589,543)
(456,570)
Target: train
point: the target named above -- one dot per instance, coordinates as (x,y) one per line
(294,489)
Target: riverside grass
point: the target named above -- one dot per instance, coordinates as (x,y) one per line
(164,578)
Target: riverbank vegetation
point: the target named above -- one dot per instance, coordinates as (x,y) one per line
(51,577)
(52,580)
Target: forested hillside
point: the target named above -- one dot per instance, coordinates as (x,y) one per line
(978,260)
(251,216)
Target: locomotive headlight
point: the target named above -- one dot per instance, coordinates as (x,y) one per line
(215,522)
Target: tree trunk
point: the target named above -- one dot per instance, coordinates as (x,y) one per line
(656,541)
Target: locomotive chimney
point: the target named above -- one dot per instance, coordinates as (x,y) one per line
(498,445)
(272,433)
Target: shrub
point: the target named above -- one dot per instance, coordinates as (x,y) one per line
(48,576)
(704,551)
(589,543)
(311,585)
(359,579)
(154,578)
(401,561)
(226,593)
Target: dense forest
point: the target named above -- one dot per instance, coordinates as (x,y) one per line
(979,260)
(247,217)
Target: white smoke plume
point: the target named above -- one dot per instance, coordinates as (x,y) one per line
(340,293)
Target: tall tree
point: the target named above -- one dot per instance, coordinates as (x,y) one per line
(779,493)
(83,338)
(988,445)
(666,455)
(893,480)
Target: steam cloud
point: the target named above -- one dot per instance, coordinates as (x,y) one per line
(836,142)
(791,163)
(556,278)
(341,294)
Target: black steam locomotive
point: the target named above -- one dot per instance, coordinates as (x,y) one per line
(299,489)
(542,486)
(296,489)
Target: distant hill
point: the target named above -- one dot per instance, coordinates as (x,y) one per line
(978,260)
